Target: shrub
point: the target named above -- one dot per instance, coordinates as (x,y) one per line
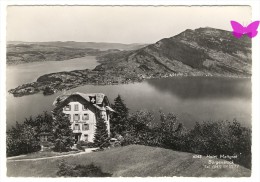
(90,170)
(207,138)
(25,137)
(79,146)
(60,146)
(171,132)
(65,169)
(220,138)
(137,127)
(86,144)
(21,139)
(46,144)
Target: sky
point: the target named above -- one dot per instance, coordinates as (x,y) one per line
(125,24)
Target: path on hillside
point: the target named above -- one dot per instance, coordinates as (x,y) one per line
(134,161)
(42,158)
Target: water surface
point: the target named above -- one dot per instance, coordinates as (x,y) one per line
(29,72)
(192,99)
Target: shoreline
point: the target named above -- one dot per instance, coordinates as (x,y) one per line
(49,84)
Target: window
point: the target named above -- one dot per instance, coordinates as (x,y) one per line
(86,138)
(103,115)
(76,107)
(85,127)
(76,117)
(76,127)
(67,108)
(85,117)
(85,107)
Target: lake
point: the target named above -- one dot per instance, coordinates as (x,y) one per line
(29,72)
(192,99)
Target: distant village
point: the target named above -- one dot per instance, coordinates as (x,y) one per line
(51,83)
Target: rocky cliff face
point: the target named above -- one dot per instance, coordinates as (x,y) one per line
(203,51)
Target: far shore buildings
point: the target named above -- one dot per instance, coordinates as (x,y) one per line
(82,109)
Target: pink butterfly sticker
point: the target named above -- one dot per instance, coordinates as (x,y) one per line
(250,30)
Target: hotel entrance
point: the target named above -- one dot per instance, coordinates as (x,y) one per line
(77,137)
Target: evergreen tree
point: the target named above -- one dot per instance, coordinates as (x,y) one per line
(62,133)
(101,138)
(118,120)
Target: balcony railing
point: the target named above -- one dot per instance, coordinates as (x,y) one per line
(77,130)
(81,121)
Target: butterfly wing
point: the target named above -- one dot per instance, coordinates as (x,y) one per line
(251,29)
(237,35)
(253,26)
(252,34)
(238,29)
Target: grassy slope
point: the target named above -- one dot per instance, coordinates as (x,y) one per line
(130,161)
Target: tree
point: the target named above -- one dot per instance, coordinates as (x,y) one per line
(101,138)
(139,128)
(118,120)
(62,133)
(172,132)
(141,120)
(22,139)
(48,91)
(41,123)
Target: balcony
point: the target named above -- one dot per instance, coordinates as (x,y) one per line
(77,131)
(80,121)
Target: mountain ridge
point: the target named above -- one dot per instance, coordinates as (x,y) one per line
(203,51)
(199,52)
(85,45)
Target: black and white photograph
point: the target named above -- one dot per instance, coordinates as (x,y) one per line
(128,91)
